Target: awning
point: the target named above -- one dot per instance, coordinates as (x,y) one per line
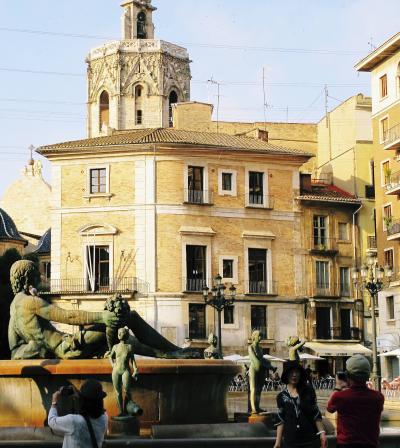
(337,349)
(391,353)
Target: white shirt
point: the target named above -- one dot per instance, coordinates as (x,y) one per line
(75,431)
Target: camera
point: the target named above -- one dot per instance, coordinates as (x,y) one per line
(342,376)
(67,391)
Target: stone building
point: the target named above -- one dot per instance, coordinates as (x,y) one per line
(384,65)
(9,235)
(156,214)
(28,201)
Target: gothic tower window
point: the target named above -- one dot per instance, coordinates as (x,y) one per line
(104,109)
(139,104)
(141,25)
(173,99)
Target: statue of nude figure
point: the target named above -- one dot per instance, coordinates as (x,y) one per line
(124,369)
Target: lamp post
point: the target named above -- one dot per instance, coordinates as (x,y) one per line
(371,277)
(219,301)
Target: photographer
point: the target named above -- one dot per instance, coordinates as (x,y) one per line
(86,429)
(359,408)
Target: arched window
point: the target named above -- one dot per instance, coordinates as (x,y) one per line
(173,99)
(104,109)
(138,105)
(141,25)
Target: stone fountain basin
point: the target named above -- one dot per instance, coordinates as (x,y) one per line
(169,391)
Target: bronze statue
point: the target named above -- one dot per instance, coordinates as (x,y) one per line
(212,352)
(295,345)
(124,370)
(259,368)
(32,335)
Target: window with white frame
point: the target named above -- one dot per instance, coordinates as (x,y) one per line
(229,315)
(322,275)
(384,126)
(98,180)
(227,182)
(387,216)
(390,307)
(389,257)
(228,268)
(385,172)
(343,231)
(345,282)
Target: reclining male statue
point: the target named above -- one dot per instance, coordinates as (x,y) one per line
(31,333)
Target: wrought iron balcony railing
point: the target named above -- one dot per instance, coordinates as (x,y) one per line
(199,197)
(195,284)
(260,200)
(391,138)
(323,244)
(262,287)
(392,183)
(336,333)
(393,228)
(98,286)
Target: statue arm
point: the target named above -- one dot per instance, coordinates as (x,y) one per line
(134,365)
(56,314)
(299,345)
(13,338)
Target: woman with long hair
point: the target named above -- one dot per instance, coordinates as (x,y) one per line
(86,429)
(300,420)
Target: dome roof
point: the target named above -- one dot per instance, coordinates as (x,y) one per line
(44,245)
(8,229)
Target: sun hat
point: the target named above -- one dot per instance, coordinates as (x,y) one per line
(92,390)
(288,366)
(358,366)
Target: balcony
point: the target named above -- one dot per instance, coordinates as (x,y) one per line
(391,138)
(393,230)
(336,333)
(331,290)
(393,184)
(195,284)
(263,288)
(99,286)
(257,200)
(198,197)
(323,246)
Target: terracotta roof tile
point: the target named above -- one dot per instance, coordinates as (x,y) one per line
(174,136)
(328,193)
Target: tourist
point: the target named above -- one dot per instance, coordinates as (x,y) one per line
(359,408)
(86,429)
(300,421)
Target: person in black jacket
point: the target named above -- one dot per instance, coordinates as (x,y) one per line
(300,420)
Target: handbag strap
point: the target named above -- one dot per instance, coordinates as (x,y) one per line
(91,431)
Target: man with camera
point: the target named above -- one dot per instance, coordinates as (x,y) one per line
(359,408)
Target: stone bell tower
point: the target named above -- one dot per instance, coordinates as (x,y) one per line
(133,82)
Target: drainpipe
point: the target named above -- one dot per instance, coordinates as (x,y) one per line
(155,235)
(354,235)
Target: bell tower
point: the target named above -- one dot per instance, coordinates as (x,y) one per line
(137,20)
(133,82)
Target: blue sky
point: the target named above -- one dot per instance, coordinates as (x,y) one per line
(301,44)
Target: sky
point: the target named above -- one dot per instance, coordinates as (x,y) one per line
(300,45)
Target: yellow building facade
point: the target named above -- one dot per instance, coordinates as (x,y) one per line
(384,66)
(156,215)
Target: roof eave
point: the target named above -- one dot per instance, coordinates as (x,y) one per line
(383,52)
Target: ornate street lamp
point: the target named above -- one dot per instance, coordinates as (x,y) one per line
(219,301)
(372,278)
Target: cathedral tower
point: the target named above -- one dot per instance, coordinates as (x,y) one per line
(133,82)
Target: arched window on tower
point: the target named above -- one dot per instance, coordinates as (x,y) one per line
(173,99)
(141,25)
(138,105)
(104,110)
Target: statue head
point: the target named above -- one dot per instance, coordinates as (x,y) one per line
(255,336)
(23,274)
(123,333)
(212,339)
